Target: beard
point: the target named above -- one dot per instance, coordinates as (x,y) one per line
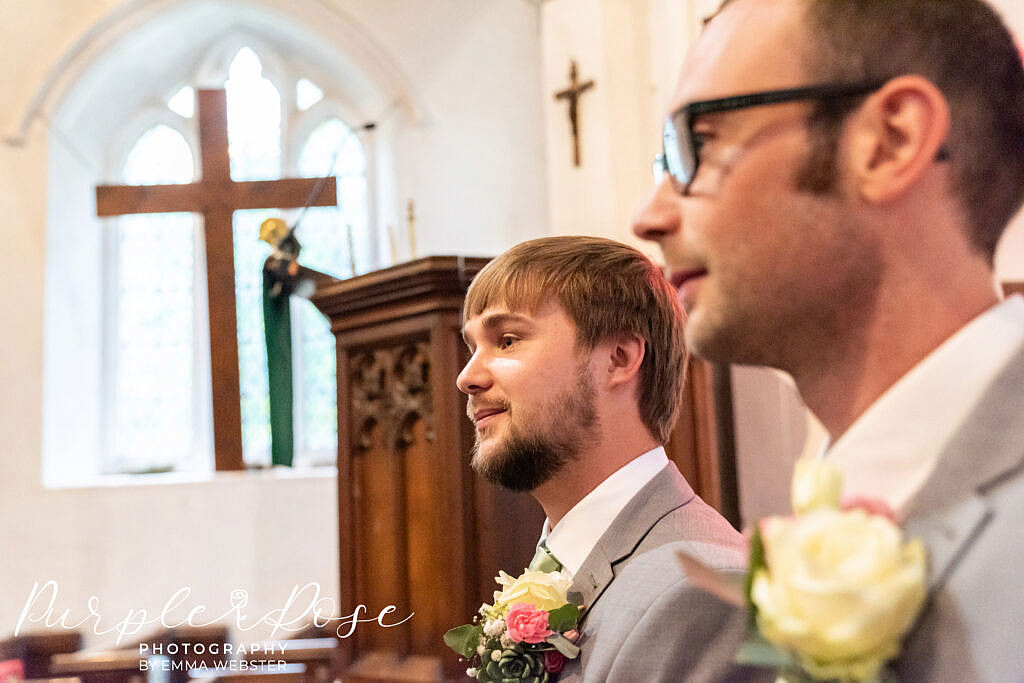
(532,453)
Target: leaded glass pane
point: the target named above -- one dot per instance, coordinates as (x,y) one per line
(153,424)
(254,120)
(254,138)
(252,349)
(326,234)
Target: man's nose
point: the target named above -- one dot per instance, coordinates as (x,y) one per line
(474,378)
(660,215)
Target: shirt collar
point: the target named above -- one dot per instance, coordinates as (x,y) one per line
(581,528)
(894,445)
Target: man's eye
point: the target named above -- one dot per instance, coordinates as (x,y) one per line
(699,142)
(506,341)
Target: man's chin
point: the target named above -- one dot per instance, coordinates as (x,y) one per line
(500,467)
(704,340)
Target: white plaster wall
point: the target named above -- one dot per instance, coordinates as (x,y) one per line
(581,198)
(474,164)
(470,154)
(612,44)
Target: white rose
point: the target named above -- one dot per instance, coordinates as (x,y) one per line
(543,590)
(840,590)
(816,484)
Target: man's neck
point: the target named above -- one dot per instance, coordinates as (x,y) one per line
(840,383)
(585,473)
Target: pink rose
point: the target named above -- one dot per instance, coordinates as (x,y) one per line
(872,506)
(553,661)
(526,624)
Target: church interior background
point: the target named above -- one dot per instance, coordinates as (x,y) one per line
(107,484)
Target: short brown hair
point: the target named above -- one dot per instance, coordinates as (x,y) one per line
(607,288)
(963,47)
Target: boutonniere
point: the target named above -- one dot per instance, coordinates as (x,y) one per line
(526,635)
(831,590)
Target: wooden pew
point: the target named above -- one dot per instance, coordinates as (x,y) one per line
(287,673)
(171,643)
(171,653)
(106,666)
(35,650)
(320,656)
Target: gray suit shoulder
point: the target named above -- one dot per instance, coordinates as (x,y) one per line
(973,627)
(651,624)
(665,629)
(701,531)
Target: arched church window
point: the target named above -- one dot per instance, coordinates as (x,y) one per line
(158,369)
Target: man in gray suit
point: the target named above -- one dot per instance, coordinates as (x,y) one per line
(838,174)
(574,384)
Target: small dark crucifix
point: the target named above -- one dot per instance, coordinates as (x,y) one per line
(217,197)
(572,93)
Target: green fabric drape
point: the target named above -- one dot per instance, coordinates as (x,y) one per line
(277,328)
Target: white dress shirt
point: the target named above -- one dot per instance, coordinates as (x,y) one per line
(889,452)
(578,532)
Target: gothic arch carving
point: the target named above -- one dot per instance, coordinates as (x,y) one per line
(391,390)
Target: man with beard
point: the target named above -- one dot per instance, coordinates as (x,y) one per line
(574,384)
(838,174)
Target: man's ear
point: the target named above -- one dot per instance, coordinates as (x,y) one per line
(897,136)
(625,356)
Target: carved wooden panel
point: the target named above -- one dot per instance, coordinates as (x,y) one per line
(391,387)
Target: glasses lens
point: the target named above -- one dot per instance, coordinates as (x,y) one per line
(678,158)
(658,168)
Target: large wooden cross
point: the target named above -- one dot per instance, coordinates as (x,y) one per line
(217,197)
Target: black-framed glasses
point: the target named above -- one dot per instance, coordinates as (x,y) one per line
(680,156)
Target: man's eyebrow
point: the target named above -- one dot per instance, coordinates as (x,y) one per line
(498,319)
(493,320)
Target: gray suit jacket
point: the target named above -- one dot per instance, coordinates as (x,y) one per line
(644,622)
(970,514)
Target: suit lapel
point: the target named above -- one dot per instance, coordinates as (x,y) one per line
(666,492)
(948,536)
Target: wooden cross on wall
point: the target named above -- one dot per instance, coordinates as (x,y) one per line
(572,94)
(217,197)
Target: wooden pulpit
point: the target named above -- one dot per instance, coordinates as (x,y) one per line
(417,529)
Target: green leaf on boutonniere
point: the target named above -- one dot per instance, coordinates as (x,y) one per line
(563,645)
(564,618)
(464,639)
(756,651)
(757,561)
